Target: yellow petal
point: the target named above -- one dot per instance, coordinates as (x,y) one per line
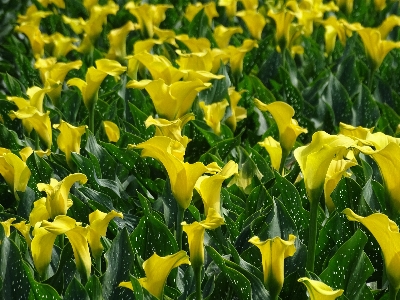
(112,131)
(254,21)
(273,253)
(223,35)
(39,212)
(236,55)
(42,247)
(274,150)
(117,38)
(209,9)
(213,114)
(319,290)
(15,172)
(24,229)
(77,238)
(354,132)
(6,226)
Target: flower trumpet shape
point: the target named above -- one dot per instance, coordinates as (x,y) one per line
(273,253)
(209,187)
(238,113)
(69,140)
(15,172)
(6,226)
(112,131)
(236,55)
(209,9)
(157,269)
(171,101)
(195,233)
(288,128)
(223,35)
(386,233)
(57,202)
(182,175)
(45,234)
(117,38)
(94,78)
(98,227)
(213,114)
(315,158)
(274,150)
(254,21)
(319,290)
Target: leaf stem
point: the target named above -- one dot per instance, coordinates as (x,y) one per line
(312,239)
(283,160)
(392,293)
(197,275)
(98,263)
(179,228)
(37,141)
(91,119)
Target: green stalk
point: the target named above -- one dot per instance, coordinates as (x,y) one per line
(91,119)
(312,239)
(179,228)
(370,79)
(392,293)
(37,141)
(283,160)
(98,263)
(197,276)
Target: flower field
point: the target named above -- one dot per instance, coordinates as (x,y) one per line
(231,149)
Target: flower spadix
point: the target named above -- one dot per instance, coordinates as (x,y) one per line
(69,139)
(288,128)
(315,158)
(319,290)
(195,233)
(386,233)
(157,269)
(45,234)
(182,175)
(273,253)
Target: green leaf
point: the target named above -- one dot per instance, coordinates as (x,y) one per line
(119,260)
(219,89)
(367,111)
(350,268)
(76,290)
(93,288)
(10,138)
(199,25)
(347,74)
(40,172)
(13,85)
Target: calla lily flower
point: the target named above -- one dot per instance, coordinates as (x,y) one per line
(375,47)
(346,5)
(230,7)
(214,113)
(194,44)
(182,175)
(357,133)
(209,9)
(238,113)
(171,101)
(37,120)
(148,15)
(157,269)
(62,45)
(36,96)
(274,150)
(57,201)
(254,21)
(388,24)
(15,172)
(195,233)
(58,3)
(117,39)
(94,78)
(112,131)
(171,129)
(236,55)
(24,229)
(39,211)
(336,170)
(222,35)
(27,151)
(333,28)
(33,16)
(386,233)
(282,19)
(315,158)
(69,140)
(6,226)
(380,4)
(36,39)
(288,128)
(273,253)
(319,290)
(209,187)
(45,234)
(98,227)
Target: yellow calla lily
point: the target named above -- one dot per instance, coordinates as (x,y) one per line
(112,131)
(315,158)
(380,4)
(171,101)
(273,253)
(195,233)
(236,55)
(319,290)
(238,113)
(357,133)
(57,202)
(15,172)
(45,234)
(346,5)
(375,47)
(98,227)
(282,19)
(230,7)
(194,44)
(35,95)
(388,24)
(36,120)
(274,150)
(61,44)
(6,226)
(94,78)
(36,38)
(69,140)
(333,28)
(182,175)
(39,211)
(214,113)
(171,129)
(157,269)
(336,170)
(254,21)
(209,9)
(148,15)
(288,128)
(58,3)
(24,229)
(386,233)
(209,187)
(33,16)
(222,35)
(117,38)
